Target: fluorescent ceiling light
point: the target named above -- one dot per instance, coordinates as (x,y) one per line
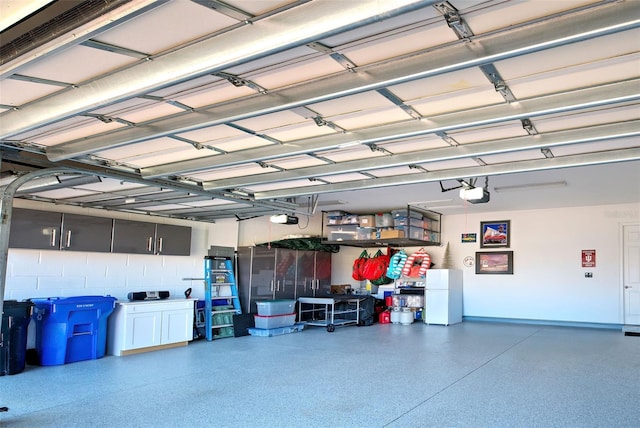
(349,144)
(333,202)
(533,186)
(427,203)
(14,11)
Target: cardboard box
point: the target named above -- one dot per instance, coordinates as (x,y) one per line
(367,220)
(388,234)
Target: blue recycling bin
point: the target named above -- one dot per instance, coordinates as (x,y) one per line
(71,329)
(13,346)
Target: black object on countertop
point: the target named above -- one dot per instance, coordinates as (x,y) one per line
(147,295)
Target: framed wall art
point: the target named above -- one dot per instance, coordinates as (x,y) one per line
(495,234)
(494,262)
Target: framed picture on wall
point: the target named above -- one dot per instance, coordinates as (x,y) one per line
(495,234)
(494,262)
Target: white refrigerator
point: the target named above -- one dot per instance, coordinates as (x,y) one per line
(443,297)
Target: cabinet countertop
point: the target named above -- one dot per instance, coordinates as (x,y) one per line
(150,302)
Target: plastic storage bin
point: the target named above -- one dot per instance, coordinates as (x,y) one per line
(71,329)
(406,213)
(276,307)
(13,347)
(404,221)
(274,321)
(411,232)
(276,331)
(384,220)
(366,233)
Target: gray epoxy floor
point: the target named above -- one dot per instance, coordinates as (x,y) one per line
(473,374)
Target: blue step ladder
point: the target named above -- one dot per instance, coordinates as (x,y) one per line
(218,275)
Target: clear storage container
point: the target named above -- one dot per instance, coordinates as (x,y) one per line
(274,321)
(276,307)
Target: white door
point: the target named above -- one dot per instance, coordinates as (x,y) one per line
(631,274)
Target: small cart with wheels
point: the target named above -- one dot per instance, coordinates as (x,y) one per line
(329,312)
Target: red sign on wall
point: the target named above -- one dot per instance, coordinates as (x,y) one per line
(588,258)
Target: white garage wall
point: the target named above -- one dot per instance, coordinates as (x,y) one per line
(548,283)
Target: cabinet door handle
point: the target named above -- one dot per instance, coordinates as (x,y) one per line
(278,285)
(271,286)
(150,244)
(159,245)
(53,237)
(68,240)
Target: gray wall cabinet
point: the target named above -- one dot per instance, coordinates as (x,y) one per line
(47,230)
(172,240)
(133,237)
(86,233)
(149,238)
(39,230)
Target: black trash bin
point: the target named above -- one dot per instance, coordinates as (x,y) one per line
(13,342)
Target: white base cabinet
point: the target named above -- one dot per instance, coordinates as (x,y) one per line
(443,297)
(147,326)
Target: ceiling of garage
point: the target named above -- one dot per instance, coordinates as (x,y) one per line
(211,109)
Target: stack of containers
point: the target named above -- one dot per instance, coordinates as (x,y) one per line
(411,223)
(275,317)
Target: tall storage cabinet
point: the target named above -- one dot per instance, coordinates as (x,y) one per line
(313,274)
(443,296)
(280,273)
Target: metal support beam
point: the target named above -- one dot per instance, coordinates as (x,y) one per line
(495,47)
(552,104)
(265,37)
(37,160)
(475,150)
(613,156)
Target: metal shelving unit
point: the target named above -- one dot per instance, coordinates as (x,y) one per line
(433,232)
